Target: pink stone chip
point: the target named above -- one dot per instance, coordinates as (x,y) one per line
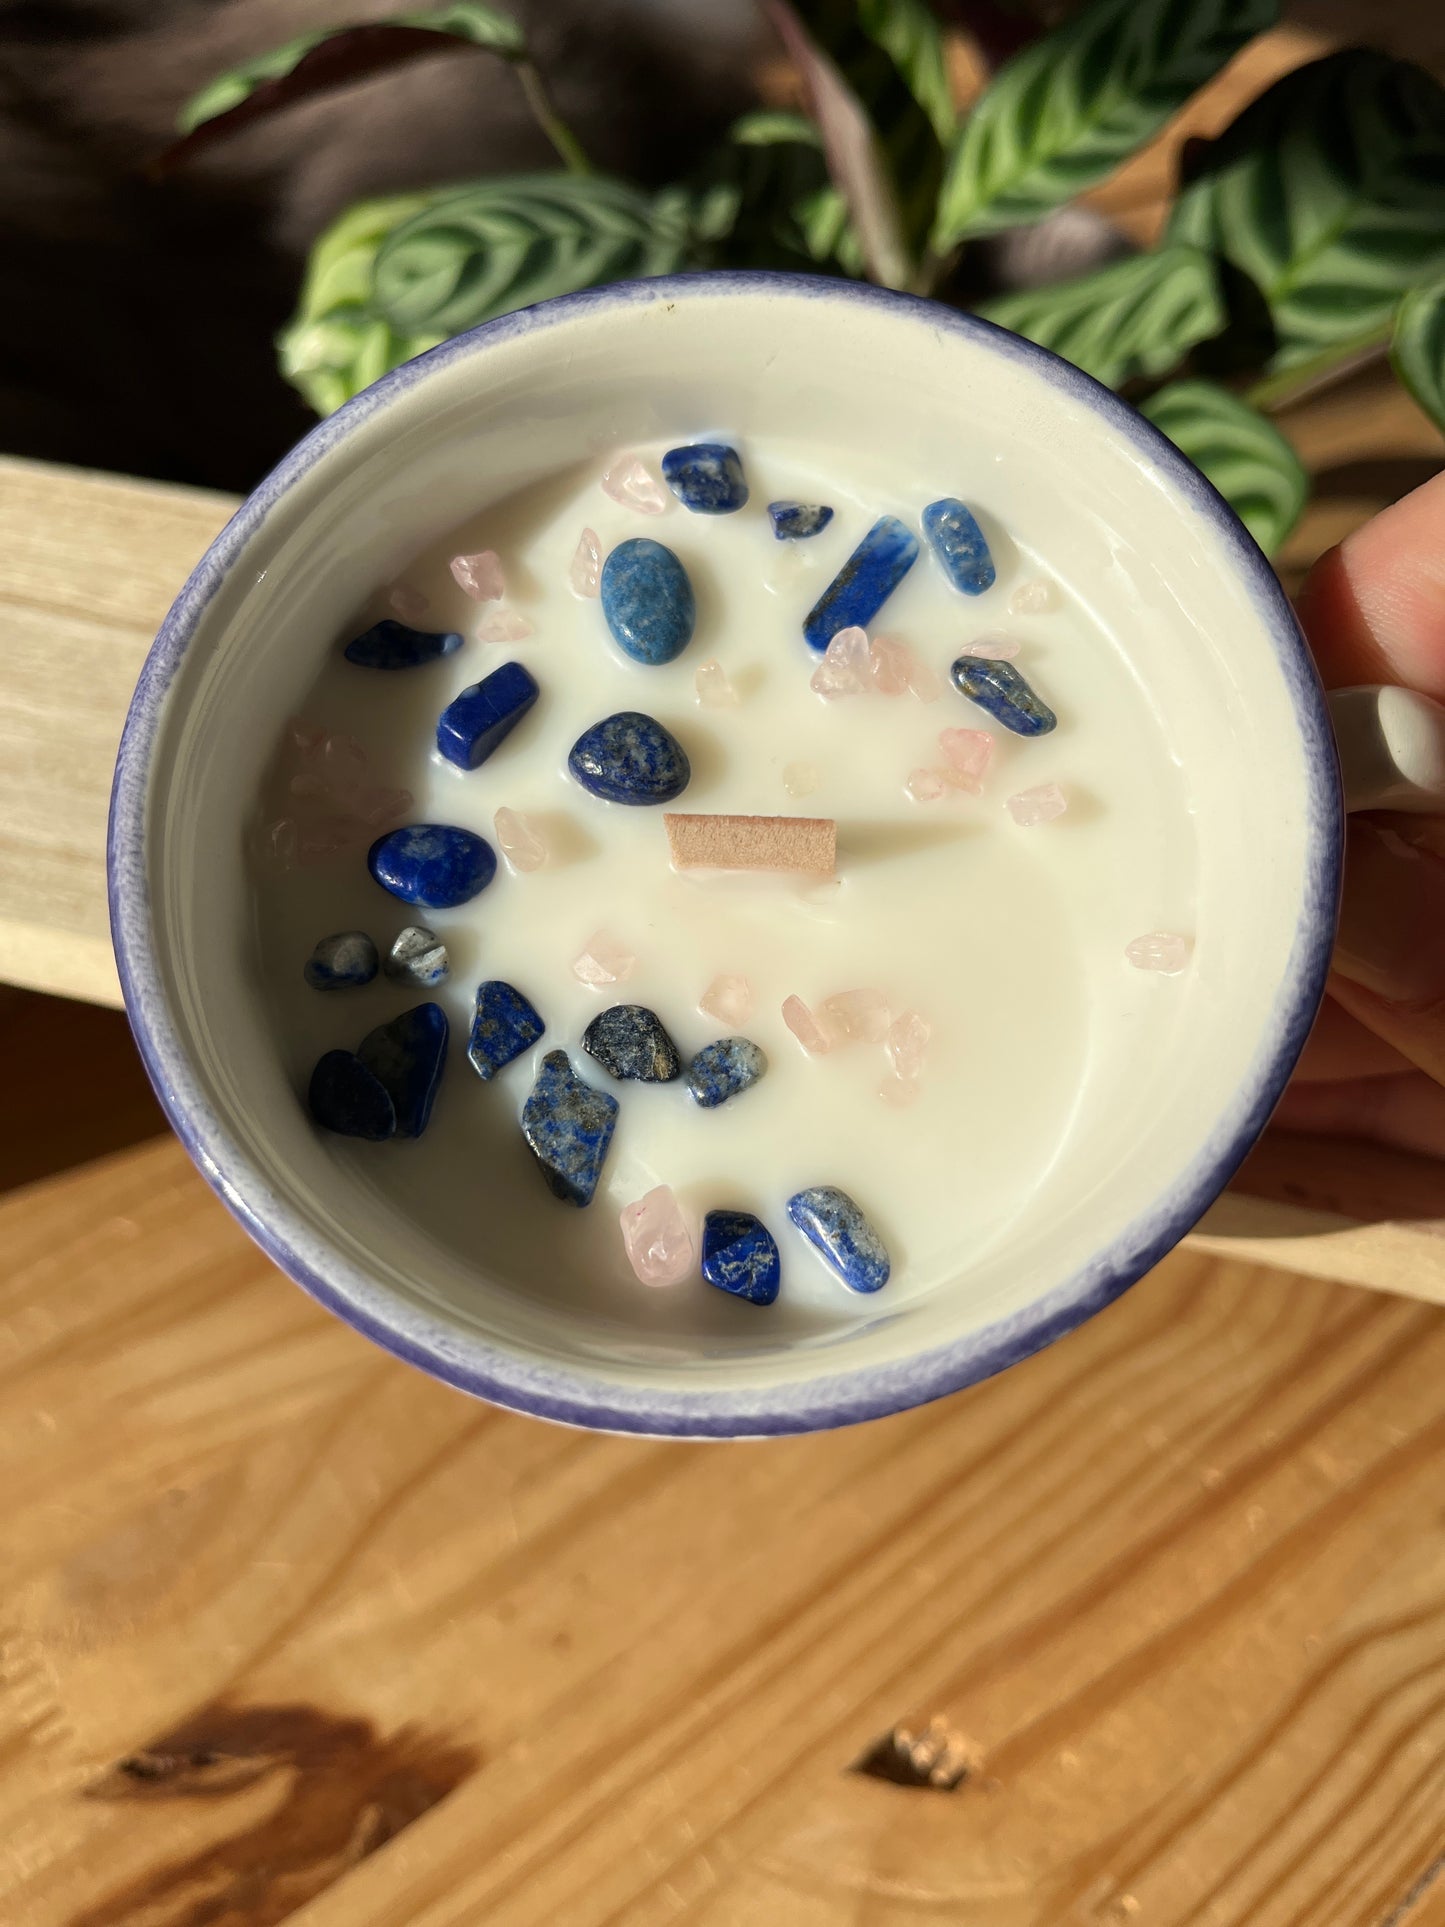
(603,961)
(326,837)
(503,625)
(809,1032)
(632,484)
(923,680)
(1040,805)
(379,807)
(846,668)
(1162,950)
(407,603)
(907,1044)
(1033,598)
(993,648)
(898,1092)
(658,1243)
(801,779)
(480,575)
(586,564)
(857,1016)
(928,785)
(968,753)
(890,662)
(714,691)
(729,999)
(519,840)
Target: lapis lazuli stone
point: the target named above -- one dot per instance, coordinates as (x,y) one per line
(347,1098)
(396,645)
(835,1227)
(630,758)
(630,1043)
(706,477)
(648,601)
(503,1026)
(433,864)
(958,542)
(341,962)
(721,1070)
(864,583)
(739,1255)
(418,956)
(568,1126)
(479,720)
(407,1056)
(796,521)
(1006,695)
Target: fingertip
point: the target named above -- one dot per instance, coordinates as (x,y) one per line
(1373,607)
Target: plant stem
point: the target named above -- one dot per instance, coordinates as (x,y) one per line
(1321,371)
(568,147)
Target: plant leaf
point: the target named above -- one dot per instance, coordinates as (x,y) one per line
(1139,316)
(1067,109)
(909,34)
(484,250)
(764,199)
(1417,351)
(769,128)
(1329,193)
(1242,454)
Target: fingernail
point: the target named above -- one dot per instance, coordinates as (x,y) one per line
(1391,938)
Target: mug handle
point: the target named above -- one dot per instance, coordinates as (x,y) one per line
(1392,749)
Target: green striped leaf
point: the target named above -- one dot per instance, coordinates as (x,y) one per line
(1243,455)
(483,250)
(1329,193)
(1418,348)
(765,200)
(1139,316)
(1067,109)
(908,33)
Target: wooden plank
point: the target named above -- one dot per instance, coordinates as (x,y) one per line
(273,1600)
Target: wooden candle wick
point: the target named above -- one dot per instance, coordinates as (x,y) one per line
(805,843)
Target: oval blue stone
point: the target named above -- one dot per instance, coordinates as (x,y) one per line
(433,864)
(630,758)
(346,1097)
(648,601)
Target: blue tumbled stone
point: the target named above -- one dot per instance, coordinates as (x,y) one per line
(396,645)
(345,1097)
(739,1255)
(959,544)
(407,1057)
(721,1070)
(648,601)
(796,521)
(479,720)
(630,758)
(1006,695)
(706,477)
(342,961)
(864,583)
(568,1126)
(433,864)
(630,1043)
(503,1026)
(835,1227)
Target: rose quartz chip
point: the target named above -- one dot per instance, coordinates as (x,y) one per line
(927,785)
(480,575)
(326,837)
(967,753)
(604,961)
(729,999)
(857,1016)
(846,668)
(890,662)
(632,484)
(658,1242)
(503,625)
(899,1092)
(304,737)
(992,648)
(714,691)
(407,603)
(1162,950)
(907,1045)
(279,842)
(1039,805)
(1032,598)
(378,807)
(519,840)
(586,564)
(343,757)
(801,779)
(925,682)
(815,1040)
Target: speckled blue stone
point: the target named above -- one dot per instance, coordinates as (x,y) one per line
(568,1126)
(648,601)
(396,645)
(630,758)
(721,1070)
(503,1026)
(706,477)
(432,864)
(835,1227)
(345,1097)
(796,521)
(739,1255)
(479,720)
(342,962)
(631,1043)
(407,1056)
(1006,695)
(864,583)
(958,542)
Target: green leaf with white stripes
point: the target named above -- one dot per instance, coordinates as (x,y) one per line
(1243,455)
(484,250)
(1139,316)
(1329,193)
(1071,106)
(909,34)
(1417,351)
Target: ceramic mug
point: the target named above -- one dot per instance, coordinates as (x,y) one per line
(503,406)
